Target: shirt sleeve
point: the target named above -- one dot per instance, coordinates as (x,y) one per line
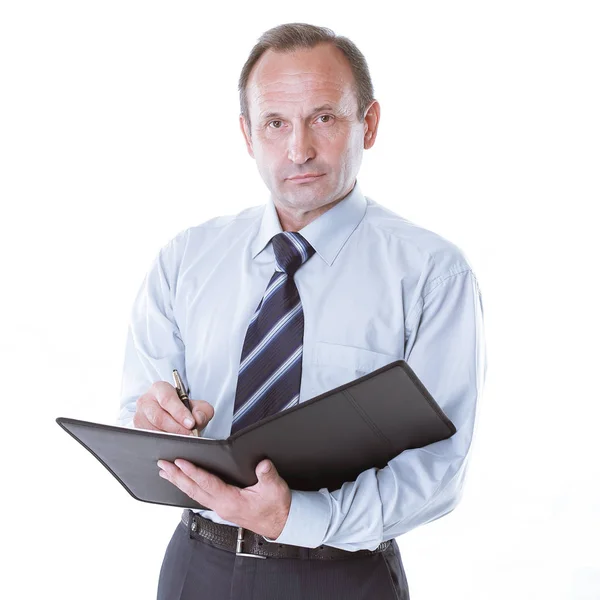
(445,347)
(154,346)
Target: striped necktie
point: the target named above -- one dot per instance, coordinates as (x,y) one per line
(271,361)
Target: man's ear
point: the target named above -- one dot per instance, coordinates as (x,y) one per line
(246,132)
(372,118)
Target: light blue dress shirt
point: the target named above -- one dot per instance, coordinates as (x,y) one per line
(379,288)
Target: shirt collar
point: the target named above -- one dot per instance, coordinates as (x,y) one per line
(326,234)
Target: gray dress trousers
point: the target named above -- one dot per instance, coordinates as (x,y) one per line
(195,569)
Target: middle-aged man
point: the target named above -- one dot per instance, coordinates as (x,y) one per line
(265,309)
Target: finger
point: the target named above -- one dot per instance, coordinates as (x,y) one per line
(265,470)
(210,484)
(203,412)
(186,484)
(141,422)
(150,415)
(167,398)
(166,424)
(267,474)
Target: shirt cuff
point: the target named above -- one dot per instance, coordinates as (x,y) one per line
(307,521)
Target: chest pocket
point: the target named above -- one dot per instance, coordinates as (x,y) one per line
(358,360)
(333,365)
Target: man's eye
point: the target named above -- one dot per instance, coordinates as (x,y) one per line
(273,126)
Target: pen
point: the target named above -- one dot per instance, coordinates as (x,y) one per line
(183,395)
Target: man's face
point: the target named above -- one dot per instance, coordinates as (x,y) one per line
(303,112)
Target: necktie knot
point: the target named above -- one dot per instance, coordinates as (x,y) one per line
(291,251)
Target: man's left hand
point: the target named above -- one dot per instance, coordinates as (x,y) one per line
(262,508)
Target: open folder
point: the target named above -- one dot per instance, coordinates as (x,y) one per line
(320,443)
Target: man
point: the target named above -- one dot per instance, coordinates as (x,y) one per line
(281,302)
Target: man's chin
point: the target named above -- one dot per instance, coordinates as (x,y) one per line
(305,198)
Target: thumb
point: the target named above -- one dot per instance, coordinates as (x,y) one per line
(266,471)
(202,411)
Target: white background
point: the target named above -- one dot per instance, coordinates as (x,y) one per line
(119,128)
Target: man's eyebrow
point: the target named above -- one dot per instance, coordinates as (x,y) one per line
(270,115)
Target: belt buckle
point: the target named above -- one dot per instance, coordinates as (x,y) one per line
(240,541)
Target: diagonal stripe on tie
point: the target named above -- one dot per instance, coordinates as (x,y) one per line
(271,361)
(275,381)
(278,328)
(268,361)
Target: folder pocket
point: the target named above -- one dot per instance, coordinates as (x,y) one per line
(373,426)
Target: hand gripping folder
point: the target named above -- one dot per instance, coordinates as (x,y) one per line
(320,443)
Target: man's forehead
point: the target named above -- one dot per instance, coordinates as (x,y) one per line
(315,77)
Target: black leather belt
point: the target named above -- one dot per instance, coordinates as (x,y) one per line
(247,543)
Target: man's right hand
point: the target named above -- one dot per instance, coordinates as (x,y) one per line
(161,409)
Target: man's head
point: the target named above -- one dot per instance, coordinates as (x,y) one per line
(307,106)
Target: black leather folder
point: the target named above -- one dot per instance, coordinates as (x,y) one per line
(320,443)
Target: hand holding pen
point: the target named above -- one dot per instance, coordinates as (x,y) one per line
(199,415)
(181,392)
(162,408)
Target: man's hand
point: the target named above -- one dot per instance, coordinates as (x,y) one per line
(161,409)
(262,508)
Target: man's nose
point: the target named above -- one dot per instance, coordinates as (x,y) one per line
(301,146)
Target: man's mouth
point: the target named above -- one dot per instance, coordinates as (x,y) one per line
(304,178)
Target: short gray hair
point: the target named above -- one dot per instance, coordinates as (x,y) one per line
(291,36)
